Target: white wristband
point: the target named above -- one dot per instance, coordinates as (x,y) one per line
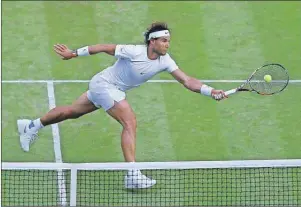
(206,90)
(84,51)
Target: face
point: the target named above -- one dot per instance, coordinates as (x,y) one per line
(161,45)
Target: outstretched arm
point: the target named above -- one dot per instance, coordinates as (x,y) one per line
(197,86)
(107,48)
(66,53)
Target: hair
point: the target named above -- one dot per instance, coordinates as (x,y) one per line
(154,27)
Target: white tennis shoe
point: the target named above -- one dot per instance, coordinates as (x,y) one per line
(135,179)
(26,132)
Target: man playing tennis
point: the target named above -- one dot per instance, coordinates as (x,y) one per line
(135,65)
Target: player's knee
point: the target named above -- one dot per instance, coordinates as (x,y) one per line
(130,124)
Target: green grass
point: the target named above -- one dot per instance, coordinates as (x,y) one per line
(22,101)
(210,40)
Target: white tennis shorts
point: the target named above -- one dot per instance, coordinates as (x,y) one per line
(103,94)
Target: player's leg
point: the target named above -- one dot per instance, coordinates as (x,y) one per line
(123,113)
(113,101)
(79,107)
(28,129)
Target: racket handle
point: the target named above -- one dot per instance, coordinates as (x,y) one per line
(230,92)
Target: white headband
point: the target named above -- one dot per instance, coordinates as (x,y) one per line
(158,34)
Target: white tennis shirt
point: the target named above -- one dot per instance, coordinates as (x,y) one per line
(133,67)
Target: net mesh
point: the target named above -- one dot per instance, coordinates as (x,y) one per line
(34,188)
(279,79)
(195,187)
(259,186)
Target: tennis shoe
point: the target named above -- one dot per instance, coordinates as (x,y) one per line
(27,133)
(135,180)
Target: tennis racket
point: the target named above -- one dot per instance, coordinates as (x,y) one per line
(266,80)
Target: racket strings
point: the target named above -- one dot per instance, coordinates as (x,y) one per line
(279,80)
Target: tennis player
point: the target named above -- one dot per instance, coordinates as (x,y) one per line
(135,65)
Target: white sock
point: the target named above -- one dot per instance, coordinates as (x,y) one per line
(37,124)
(134,171)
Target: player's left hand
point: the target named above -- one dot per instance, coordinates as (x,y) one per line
(218,95)
(63,51)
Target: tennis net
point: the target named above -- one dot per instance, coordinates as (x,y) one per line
(196,183)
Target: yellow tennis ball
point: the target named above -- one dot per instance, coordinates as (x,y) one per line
(267,78)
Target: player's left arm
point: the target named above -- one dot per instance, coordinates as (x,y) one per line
(197,86)
(66,54)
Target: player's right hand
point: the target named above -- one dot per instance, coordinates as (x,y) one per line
(63,51)
(218,95)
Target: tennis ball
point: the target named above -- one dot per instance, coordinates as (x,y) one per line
(267,78)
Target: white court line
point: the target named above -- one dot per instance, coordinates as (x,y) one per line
(149,81)
(57,147)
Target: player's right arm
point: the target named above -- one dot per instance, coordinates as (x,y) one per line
(65,53)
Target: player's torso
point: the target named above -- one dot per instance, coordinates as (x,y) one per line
(131,72)
(142,68)
(139,68)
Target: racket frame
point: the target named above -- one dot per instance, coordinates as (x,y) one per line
(241,87)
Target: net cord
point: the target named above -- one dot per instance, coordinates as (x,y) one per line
(152,165)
